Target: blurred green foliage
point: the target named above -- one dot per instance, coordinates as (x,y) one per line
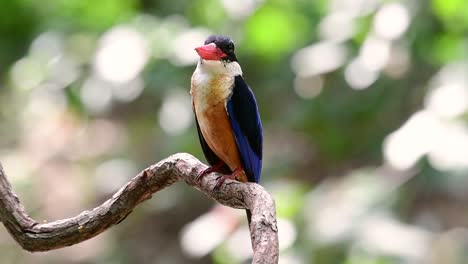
(363,103)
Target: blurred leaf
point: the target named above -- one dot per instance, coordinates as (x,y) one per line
(221,256)
(448,47)
(94,15)
(74,100)
(207,13)
(369,259)
(17,25)
(363,26)
(289,200)
(453,13)
(273,31)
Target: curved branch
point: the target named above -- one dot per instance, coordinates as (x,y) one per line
(34,236)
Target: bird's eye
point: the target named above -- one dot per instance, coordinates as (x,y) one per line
(230,46)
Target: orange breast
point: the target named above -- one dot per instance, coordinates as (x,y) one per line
(216,130)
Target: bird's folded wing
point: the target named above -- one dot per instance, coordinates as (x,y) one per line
(247,127)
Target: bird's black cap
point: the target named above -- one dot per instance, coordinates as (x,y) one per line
(225,44)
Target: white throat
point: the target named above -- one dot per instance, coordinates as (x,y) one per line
(211,67)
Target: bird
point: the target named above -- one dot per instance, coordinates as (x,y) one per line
(226,114)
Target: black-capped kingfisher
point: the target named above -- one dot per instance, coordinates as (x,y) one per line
(226,113)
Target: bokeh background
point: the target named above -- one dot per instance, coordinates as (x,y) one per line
(364,105)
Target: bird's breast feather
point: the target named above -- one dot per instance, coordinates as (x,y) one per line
(210,91)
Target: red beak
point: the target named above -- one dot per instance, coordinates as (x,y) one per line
(210,52)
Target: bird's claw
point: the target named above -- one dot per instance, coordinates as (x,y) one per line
(222,179)
(208,171)
(204,172)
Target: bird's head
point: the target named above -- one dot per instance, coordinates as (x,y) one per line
(217,48)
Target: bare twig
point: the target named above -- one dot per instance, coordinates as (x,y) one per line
(34,236)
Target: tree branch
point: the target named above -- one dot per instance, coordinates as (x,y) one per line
(34,236)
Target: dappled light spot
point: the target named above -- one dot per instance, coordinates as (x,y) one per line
(168,199)
(375,53)
(335,208)
(47,46)
(404,147)
(308,87)
(129,91)
(450,149)
(44,102)
(96,95)
(319,58)
(182,51)
(27,73)
(96,138)
(435,131)
(175,115)
(111,175)
(121,55)
(449,95)
(161,37)
(63,71)
(238,244)
(445,143)
(48,56)
(357,7)
(337,26)
(218,223)
(391,20)
(237,11)
(290,258)
(380,234)
(287,233)
(448,100)
(53,131)
(358,75)
(18,162)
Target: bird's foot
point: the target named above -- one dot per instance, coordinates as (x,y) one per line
(231,176)
(209,170)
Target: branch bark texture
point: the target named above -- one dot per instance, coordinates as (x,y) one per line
(35,236)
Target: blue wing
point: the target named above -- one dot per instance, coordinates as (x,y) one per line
(246,124)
